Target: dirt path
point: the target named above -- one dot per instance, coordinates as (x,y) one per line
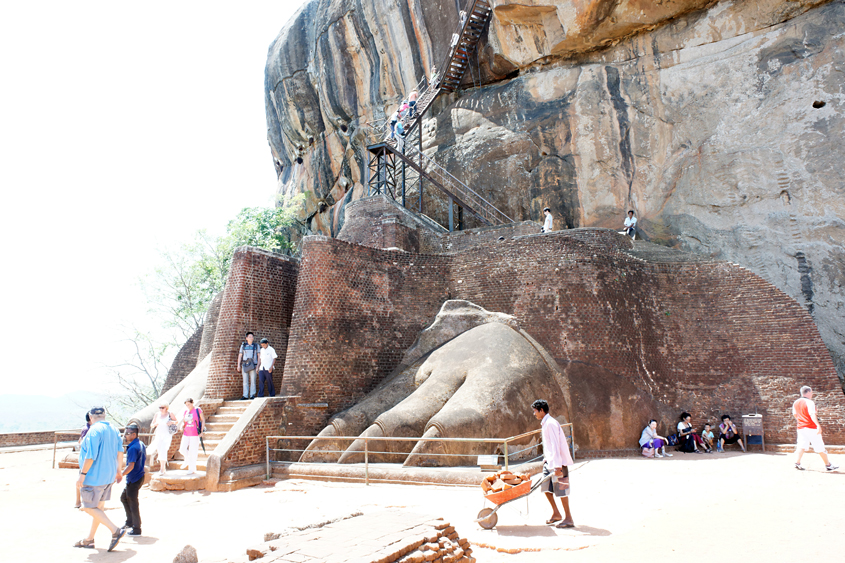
(700,508)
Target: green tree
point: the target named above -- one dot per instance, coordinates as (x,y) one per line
(181,289)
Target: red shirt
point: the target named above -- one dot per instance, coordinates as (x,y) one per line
(803,408)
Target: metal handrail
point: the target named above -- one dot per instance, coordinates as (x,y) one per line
(461,187)
(504,441)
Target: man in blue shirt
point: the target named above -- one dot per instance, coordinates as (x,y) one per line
(101,463)
(136,458)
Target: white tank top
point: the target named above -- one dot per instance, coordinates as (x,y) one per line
(161,429)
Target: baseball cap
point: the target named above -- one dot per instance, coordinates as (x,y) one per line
(97,411)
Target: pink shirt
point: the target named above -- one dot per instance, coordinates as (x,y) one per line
(191,418)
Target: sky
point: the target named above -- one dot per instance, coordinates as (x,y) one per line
(124,128)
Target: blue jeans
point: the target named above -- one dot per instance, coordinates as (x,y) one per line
(249,383)
(264,375)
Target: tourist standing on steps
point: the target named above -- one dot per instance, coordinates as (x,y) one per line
(556,461)
(193,426)
(164,426)
(728,434)
(136,458)
(631,224)
(267,356)
(547,224)
(101,463)
(247,362)
(809,429)
(393,120)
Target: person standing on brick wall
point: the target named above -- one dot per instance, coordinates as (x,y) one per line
(267,357)
(556,461)
(247,362)
(809,429)
(547,225)
(101,459)
(136,458)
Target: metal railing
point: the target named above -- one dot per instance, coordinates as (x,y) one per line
(506,449)
(472,198)
(145,438)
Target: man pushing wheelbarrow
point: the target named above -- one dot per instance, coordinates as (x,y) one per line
(506,487)
(556,459)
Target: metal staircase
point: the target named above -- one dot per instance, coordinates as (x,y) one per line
(391,166)
(399,167)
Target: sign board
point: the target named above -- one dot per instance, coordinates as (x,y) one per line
(488,460)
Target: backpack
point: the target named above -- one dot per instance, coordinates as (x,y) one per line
(251,363)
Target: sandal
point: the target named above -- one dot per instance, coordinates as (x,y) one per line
(85,542)
(115,538)
(553,520)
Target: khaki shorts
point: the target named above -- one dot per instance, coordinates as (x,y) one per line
(91,497)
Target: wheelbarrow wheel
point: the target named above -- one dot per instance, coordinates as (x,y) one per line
(487,518)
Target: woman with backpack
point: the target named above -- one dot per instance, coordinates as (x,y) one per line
(193,425)
(164,427)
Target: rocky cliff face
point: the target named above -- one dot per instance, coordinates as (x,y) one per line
(719,122)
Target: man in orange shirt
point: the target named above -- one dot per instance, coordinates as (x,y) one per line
(809,429)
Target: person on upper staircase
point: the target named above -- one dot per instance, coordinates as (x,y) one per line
(434,81)
(400,136)
(547,224)
(403,109)
(393,120)
(412,103)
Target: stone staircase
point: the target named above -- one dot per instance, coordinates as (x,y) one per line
(216,427)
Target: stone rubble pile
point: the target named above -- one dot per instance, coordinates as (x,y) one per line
(383,537)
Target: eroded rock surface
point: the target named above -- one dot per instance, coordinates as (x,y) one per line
(719,122)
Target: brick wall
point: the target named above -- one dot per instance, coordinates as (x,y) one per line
(706,337)
(185,361)
(251,446)
(209,326)
(259,297)
(357,310)
(32,438)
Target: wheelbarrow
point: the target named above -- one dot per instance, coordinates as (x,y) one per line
(487,518)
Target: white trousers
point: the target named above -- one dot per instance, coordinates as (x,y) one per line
(190,449)
(162,446)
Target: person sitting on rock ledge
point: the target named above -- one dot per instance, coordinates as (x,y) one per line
(688,440)
(556,461)
(631,225)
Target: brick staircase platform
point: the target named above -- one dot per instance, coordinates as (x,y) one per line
(216,427)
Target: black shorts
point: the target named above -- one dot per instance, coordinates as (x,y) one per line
(732,440)
(549,486)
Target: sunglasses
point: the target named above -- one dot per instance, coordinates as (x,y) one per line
(162,408)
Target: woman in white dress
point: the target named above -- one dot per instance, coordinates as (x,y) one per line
(161,425)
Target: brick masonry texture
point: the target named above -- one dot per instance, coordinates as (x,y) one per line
(30,438)
(251,447)
(357,310)
(185,361)
(704,336)
(259,297)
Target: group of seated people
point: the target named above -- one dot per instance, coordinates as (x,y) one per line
(687,439)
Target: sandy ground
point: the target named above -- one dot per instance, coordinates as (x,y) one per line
(751,507)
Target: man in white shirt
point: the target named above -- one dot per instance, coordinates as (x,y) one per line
(631,224)
(547,225)
(267,357)
(556,459)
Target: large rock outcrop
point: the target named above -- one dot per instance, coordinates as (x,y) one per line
(717,121)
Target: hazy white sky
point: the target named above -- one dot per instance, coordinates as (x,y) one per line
(124,127)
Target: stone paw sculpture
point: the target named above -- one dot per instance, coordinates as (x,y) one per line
(471,374)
